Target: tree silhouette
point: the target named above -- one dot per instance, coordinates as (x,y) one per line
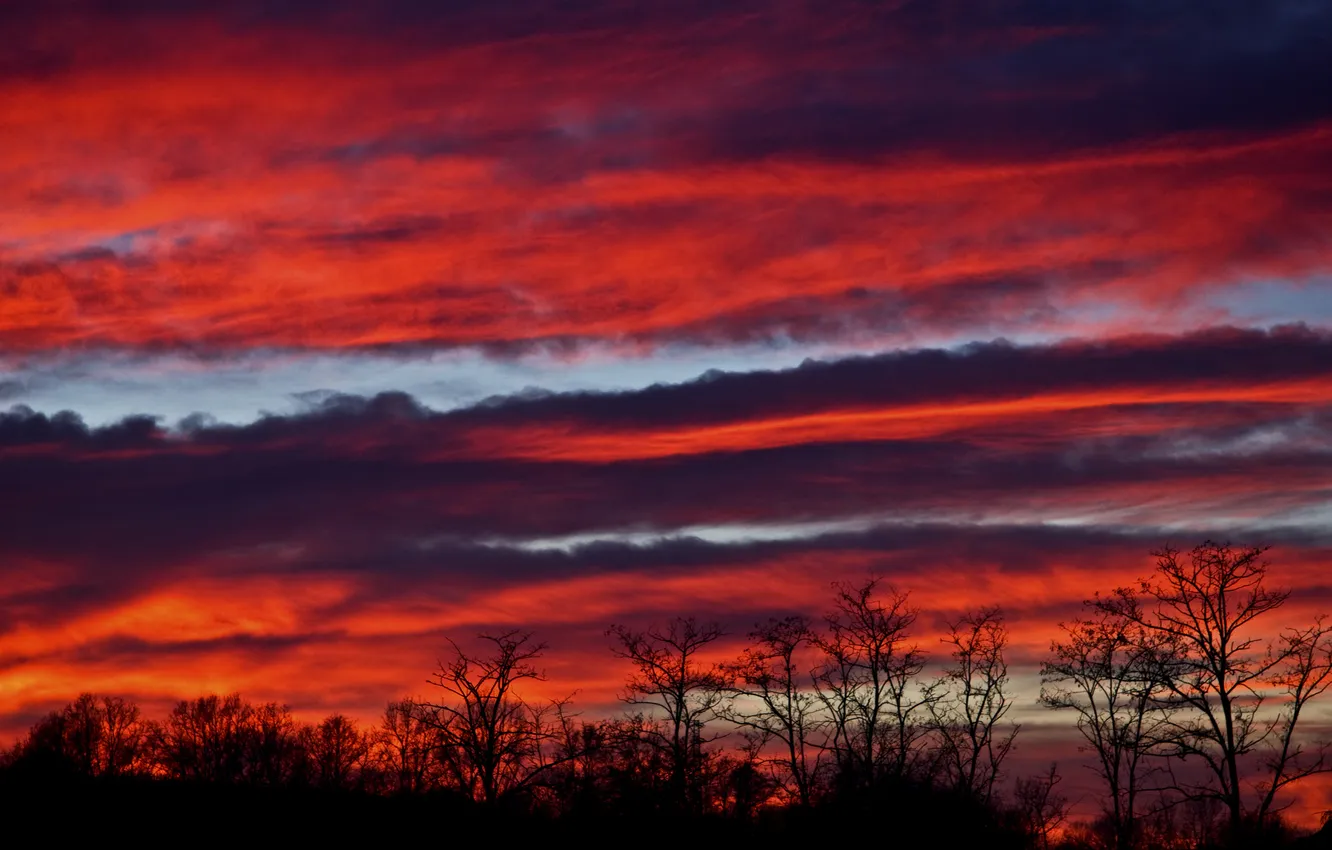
(669,678)
(1208,605)
(206,739)
(973,701)
(615,768)
(1114,675)
(868,683)
(839,723)
(337,751)
(494,742)
(274,751)
(774,700)
(91,736)
(406,748)
(1041,809)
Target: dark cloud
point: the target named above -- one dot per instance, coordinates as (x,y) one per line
(841,79)
(129,650)
(12,388)
(386,468)
(847,81)
(1080,78)
(982,370)
(391,571)
(380,232)
(22,426)
(1219,358)
(1022,80)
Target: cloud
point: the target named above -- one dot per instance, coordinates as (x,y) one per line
(321,559)
(380,621)
(234,182)
(422,178)
(1227,427)
(12,388)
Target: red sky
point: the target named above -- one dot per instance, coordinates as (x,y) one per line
(529,296)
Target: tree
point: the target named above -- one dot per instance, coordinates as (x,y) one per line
(869,684)
(273,748)
(84,731)
(670,679)
(206,739)
(336,750)
(614,768)
(1238,697)
(1113,674)
(773,700)
(494,742)
(91,736)
(406,747)
(1040,808)
(973,701)
(125,736)
(743,785)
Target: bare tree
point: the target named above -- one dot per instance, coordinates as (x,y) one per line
(124,737)
(774,700)
(206,739)
(671,681)
(406,747)
(84,730)
(1113,675)
(93,736)
(1303,672)
(274,747)
(973,703)
(495,742)
(868,683)
(615,766)
(337,751)
(743,785)
(1240,697)
(1041,809)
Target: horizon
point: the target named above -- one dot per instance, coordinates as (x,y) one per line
(329,333)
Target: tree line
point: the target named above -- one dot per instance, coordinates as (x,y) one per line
(1187,690)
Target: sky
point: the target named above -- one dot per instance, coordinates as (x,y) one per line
(332,330)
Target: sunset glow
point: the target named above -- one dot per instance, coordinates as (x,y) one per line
(331,331)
